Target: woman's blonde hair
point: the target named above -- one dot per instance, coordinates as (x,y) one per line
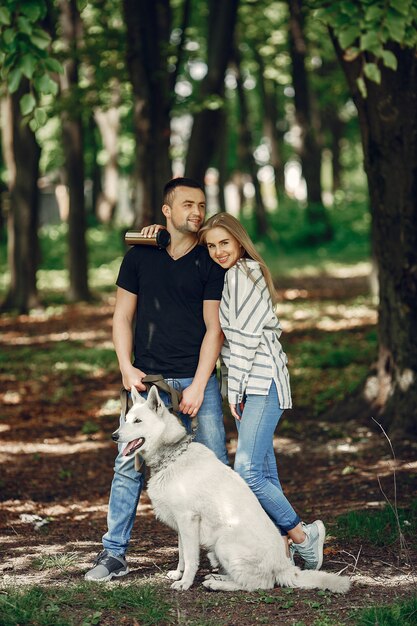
(235,228)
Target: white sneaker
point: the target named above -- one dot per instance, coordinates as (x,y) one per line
(311,549)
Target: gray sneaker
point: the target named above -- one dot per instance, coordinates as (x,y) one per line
(311,550)
(106,567)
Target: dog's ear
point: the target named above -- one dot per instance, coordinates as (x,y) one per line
(154,401)
(136,397)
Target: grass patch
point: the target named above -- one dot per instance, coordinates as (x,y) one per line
(70,357)
(403,613)
(285,247)
(82,604)
(60,562)
(377,527)
(325,367)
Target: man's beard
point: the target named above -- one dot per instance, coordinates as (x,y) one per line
(186,228)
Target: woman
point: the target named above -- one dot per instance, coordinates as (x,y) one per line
(257,375)
(258,380)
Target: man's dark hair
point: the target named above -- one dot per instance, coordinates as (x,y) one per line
(171,186)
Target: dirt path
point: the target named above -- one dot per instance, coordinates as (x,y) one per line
(51,467)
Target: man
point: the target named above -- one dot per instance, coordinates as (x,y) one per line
(174,296)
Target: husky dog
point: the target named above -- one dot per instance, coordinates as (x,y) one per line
(209,505)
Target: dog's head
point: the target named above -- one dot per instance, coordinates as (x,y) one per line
(148,426)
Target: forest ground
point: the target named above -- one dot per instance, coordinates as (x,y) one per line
(55,466)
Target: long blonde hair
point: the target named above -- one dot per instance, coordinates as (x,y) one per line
(235,228)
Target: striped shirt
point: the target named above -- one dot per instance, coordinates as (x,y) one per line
(251,351)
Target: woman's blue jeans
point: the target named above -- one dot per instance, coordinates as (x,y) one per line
(127,482)
(255,459)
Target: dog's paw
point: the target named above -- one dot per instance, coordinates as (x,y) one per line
(181,585)
(210,583)
(174,574)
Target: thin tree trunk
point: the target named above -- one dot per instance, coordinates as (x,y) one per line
(271,118)
(388,124)
(246,151)
(148,31)
(310,149)
(336,127)
(22,156)
(73,145)
(108,122)
(205,133)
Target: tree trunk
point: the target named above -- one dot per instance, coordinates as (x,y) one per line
(388,123)
(73,146)
(148,31)
(308,121)
(246,152)
(108,122)
(205,133)
(271,117)
(22,156)
(336,127)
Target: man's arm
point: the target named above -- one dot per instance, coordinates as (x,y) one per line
(193,396)
(124,314)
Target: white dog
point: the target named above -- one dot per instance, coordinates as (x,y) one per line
(209,505)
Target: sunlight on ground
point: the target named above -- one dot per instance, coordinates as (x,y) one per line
(333,269)
(86,335)
(55,446)
(325,316)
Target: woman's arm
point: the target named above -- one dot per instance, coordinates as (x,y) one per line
(249,309)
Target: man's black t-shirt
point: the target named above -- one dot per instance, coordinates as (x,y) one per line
(169,318)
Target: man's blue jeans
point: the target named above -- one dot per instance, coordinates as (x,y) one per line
(127,482)
(255,458)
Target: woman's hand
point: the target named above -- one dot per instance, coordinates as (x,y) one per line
(233,410)
(150,231)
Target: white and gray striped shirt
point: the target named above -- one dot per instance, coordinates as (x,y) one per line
(251,351)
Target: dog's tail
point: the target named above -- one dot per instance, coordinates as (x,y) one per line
(312,579)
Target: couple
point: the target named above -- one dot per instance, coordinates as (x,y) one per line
(190,302)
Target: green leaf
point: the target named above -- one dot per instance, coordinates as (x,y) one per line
(370,41)
(9,35)
(362,87)
(372,72)
(24,25)
(40,38)
(349,8)
(27,104)
(28,65)
(40,116)
(13,79)
(4,16)
(402,6)
(389,59)
(33,124)
(53,65)
(396,26)
(32,10)
(348,36)
(374,13)
(46,85)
